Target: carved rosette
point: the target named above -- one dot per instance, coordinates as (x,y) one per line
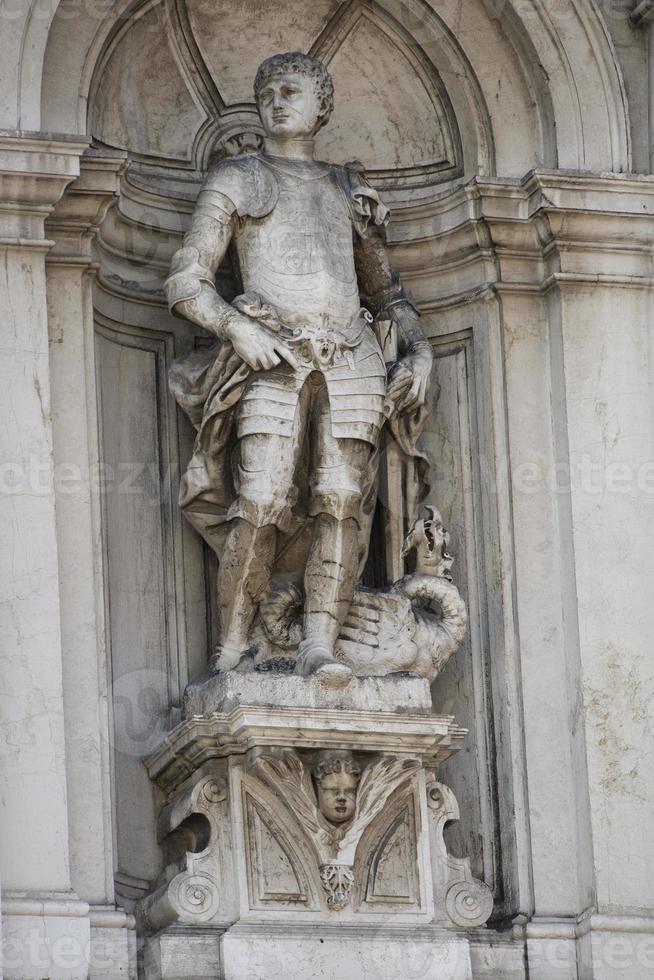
(337,880)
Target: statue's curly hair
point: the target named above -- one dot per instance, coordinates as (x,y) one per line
(329,762)
(294,62)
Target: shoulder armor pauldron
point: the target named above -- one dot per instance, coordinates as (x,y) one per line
(366,206)
(247,182)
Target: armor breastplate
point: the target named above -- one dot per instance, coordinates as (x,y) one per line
(300,256)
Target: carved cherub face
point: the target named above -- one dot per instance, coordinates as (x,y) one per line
(337,778)
(337,796)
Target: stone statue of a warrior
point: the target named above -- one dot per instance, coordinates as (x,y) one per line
(290,400)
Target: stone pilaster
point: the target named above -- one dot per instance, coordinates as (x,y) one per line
(553,276)
(70,271)
(576,280)
(643,16)
(46,925)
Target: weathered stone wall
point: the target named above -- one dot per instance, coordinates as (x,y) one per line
(512,142)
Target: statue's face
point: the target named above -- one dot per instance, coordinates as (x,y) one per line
(337,794)
(289,106)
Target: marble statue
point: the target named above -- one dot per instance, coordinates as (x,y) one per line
(290,400)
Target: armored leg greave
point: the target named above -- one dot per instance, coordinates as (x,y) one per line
(243,577)
(330,577)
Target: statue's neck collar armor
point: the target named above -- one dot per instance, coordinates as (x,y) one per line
(298,149)
(297,169)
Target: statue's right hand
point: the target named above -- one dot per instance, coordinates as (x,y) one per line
(256,344)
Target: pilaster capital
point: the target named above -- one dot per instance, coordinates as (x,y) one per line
(77,215)
(35,169)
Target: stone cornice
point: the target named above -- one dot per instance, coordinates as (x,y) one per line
(200,739)
(35,169)
(76,217)
(576,927)
(515,234)
(529,234)
(604,193)
(519,199)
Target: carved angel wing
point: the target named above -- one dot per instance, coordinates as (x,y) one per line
(288,778)
(378,782)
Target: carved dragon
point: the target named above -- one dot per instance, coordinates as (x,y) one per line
(393,630)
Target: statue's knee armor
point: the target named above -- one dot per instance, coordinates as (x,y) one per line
(264,481)
(338,478)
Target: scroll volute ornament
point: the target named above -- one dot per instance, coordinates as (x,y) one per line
(467,900)
(188,830)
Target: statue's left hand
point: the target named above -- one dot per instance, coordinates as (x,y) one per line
(409,379)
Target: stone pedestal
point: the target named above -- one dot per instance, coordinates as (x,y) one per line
(259,882)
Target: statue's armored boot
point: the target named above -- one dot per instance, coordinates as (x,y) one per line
(329,583)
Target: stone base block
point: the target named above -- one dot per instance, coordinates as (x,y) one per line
(113,945)
(551,958)
(600,946)
(64,939)
(266,952)
(619,951)
(225,692)
(45,939)
(332,954)
(183,954)
(494,957)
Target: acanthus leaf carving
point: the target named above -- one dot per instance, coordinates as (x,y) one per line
(337,880)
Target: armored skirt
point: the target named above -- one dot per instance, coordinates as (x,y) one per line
(326,416)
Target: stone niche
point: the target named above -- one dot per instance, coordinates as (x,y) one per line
(173,89)
(196,61)
(308,831)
